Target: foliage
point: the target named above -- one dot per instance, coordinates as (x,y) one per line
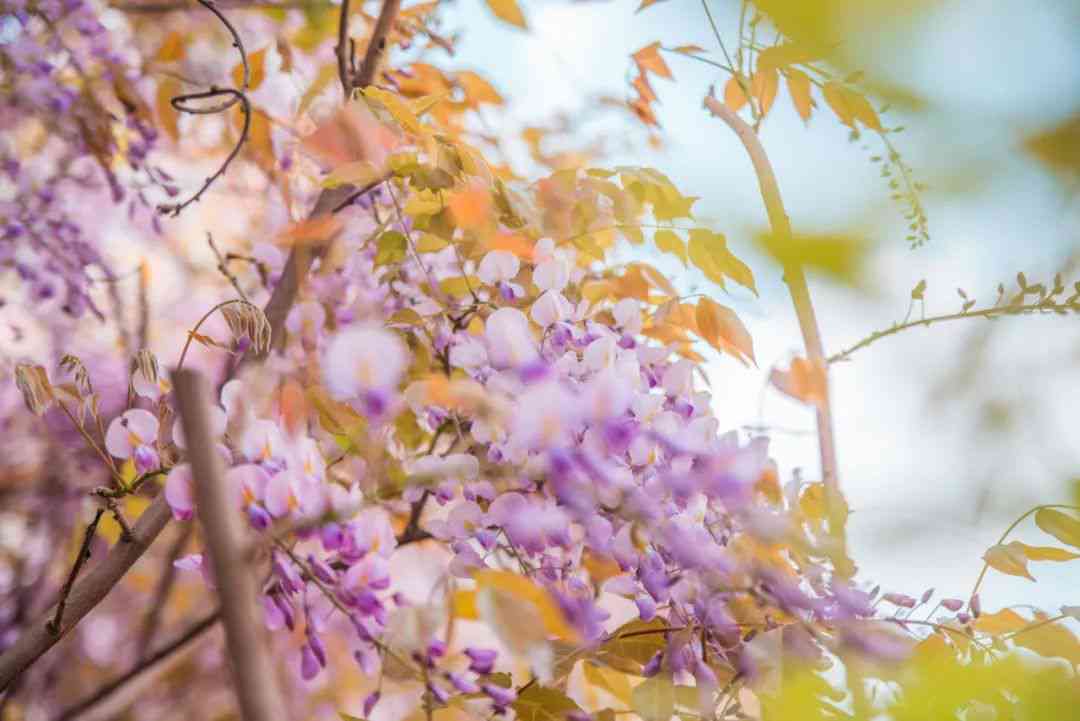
(481,388)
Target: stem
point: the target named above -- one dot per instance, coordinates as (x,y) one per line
(343,51)
(256,685)
(984,313)
(196,630)
(804,310)
(193,331)
(1010,529)
(84,554)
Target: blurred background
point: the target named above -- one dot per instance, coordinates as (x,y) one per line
(945,434)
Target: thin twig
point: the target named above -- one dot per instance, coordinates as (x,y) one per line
(86,593)
(257,691)
(993,312)
(144,665)
(180,103)
(223,267)
(57,621)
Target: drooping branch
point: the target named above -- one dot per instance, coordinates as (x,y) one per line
(256,685)
(795,278)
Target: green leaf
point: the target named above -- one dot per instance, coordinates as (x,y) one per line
(540,703)
(392,248)
(1060,525)
(654,700)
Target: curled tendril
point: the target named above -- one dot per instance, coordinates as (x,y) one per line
(183,104)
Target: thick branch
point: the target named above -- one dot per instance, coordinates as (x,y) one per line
(256,685)
(85,594)
(330,200)
(804,307)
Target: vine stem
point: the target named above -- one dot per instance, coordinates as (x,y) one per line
(257,691)
(988,313)
(191,333)
(808,325)
(1010,529)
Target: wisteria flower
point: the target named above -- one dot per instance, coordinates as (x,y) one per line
(499,268)
(132,435)
(365,364)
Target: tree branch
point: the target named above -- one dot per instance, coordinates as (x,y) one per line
(989,313)
(330,200)
(194,632)
(804,310)
(85,594)
(256,686)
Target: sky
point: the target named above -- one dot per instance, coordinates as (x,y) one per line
(931,480)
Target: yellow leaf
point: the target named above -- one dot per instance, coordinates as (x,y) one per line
(1061,526)
(478,90)
(654,700)
(523,589)
(798,84)
(1044,553)
(397,107)
(648,60)
(1050,640)
(668,241)
(360,173)
(1004,621)
(614,682)
(256,67)
(464,605)
(779,56)
(430,243)
(1009,560)
(509,12)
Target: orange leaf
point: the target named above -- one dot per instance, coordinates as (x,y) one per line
(352,133)
(172,48)
(167,116)
(837,99)
(293,405)
(763,86)
(257,68)
(798,84)
(721,328)
(648,60)
(734,97)
(509,12)
(477,89)
(313,231)
(805,380)
(471,208)
(1004,621)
